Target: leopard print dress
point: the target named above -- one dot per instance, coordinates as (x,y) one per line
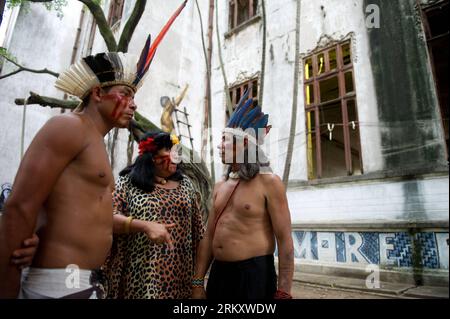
(139,269)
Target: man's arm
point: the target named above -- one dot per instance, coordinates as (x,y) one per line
(278,208)
(204,250)
(53,148)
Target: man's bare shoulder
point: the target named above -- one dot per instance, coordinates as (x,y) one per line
(218,185)
(272,182)
(66,131)
(270,178)
(66,125)
(69,121)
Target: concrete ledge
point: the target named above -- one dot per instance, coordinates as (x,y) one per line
(437,171)
(436,278)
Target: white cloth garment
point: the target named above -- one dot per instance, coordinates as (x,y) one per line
(44,283)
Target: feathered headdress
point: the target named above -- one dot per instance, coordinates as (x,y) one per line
(248,121)
(111,68)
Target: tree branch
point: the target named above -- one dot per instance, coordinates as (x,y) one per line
(22,68)
(290,149)
(102,24)
(139,125)
(35,98)
(263,54)
(130,26)
(222,66)
(100,19)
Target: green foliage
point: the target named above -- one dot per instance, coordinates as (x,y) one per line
(13,3)
(4,53)
(55,5)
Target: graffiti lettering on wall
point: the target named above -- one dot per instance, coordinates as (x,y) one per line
(387,249)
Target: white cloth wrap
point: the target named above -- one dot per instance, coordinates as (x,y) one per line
(45,283)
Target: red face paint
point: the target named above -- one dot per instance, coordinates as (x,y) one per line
(121,103)
(164,160)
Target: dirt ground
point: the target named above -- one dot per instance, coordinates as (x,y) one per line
(307,291)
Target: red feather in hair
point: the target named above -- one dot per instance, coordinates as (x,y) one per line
(148,54)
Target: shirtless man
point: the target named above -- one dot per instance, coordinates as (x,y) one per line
(65,179)
(250,214)
(63,186)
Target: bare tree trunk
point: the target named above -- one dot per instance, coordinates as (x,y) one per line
(207,76)
(47,101)
(113,146)
(287,165)
(207,123)
(263,53)
(130,149)
(130,26)
(76,45)
(102,24)
(22,136)
(222,66)
(210,44)
(21,68)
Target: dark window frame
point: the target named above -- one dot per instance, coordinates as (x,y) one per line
(434,41)
(233,13)
(315,105)
(115,12)
(241,87)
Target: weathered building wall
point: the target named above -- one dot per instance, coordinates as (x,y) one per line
(412,135)
(375,218)
(351,221)
(39,40)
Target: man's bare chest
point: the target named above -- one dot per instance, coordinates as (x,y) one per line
(93,165)
(247,201)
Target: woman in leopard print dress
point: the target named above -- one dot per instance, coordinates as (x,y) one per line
(157,227)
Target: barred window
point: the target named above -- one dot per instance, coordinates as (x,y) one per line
(241,11)
(237,91)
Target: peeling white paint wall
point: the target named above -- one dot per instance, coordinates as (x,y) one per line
(39,40)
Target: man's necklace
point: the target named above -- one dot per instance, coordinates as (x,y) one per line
(233,175)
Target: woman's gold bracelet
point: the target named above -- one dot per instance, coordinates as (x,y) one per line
(126,227)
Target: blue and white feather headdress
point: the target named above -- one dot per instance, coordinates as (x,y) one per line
(248,121)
